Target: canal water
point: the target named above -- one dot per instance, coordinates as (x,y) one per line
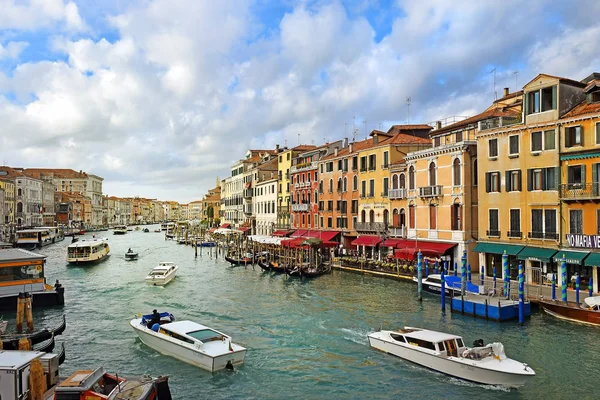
(306,339)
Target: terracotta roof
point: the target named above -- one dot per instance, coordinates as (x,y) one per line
(403,138)
(495,112)
(378,132)
(55,172)
(357,146)
(561,79)
(510,96)
(583,108)
(10,172)
(304,147)
(403,128)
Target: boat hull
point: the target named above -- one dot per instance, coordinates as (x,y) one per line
(41,299)
(161,281)
(187,354)
(451,365)
(571,312)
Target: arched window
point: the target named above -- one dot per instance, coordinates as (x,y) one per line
(411,177)
(303,197)
(402,217)
(345,186)
(432,174)
(411,216)
(395,218)
(402,181)
(386,217)
(321,186)
(456,172)
(363,216)
(308,197)
(331,186)
(19,206)
(339,187)
(372,216)
(316,197)
(355,183)
(394,181)
(19,192)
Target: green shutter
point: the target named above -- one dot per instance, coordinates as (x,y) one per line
(526,103)
(594,173)
(554,97)
(507,182)
(519,176)
(487,182)
(583,174)
(556,177)
(529,180)
(544,178)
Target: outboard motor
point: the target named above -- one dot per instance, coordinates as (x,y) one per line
(478,343)
(229,366)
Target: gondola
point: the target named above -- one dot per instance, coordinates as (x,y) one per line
(265,265)
(280,269)
(61,327)
(11,341)
(240,261)
(61,354)
(308,272)
(46,346)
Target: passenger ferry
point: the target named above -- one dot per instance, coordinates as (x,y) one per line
(167,226)
(88,251)
(120,230)
(23,271)
(38,237)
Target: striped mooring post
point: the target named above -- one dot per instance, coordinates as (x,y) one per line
(426,268)
(436,267)
(443,279)
(482,275)
(590,290)
(494,275)
(420,276)
(577,281)
(469,273)
(506,275)
(463,273)
(563,275)
(553,286)
(521,294)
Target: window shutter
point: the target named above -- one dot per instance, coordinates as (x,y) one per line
(452,217)
(529,180)
(544,179)
(581,135)
(488,182)
(595,173)
(519,179)
(567,137)
(583,174)
(554,97)
(507,182)
(556,177)
(526,104)
(498,181)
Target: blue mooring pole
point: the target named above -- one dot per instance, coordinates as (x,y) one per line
(482,275)
(494,275)
(553,286)
(443,292)
(455,269)
(521,294)
(420,276)
(590,287)
(463,273)
(506,275)
(436,267)
(563,275)
(426,268)
(469,273)
(577,289)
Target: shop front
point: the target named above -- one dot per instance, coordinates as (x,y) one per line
(538,264)
(490,255)
(575,266)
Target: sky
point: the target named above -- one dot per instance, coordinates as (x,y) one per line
(161,97)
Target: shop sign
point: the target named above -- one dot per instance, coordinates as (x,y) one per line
(587,241)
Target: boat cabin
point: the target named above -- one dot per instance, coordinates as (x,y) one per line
(87,249)
(191,332)
(21,268)
(445,344)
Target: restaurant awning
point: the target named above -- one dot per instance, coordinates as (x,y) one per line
(295,242)
(536,254)
(407,253)
(244,229)
(225,225)
(391,242)
(299,232)
(434,249)
(367,240)
(325,236)
(498,248)
(281,232)
(572,257)
(593,260)
(211,230)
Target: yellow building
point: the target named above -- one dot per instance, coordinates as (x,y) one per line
(9,200)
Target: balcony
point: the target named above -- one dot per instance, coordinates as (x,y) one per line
(385,166)
(492,233)
(371,226)
(430,191)
(514,234)
(247,193)
(300,207)
(398,231)
(303,167)
(398,194)
(543,235)
(580,191)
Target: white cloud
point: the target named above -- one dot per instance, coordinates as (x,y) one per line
(12,49)
(37,14)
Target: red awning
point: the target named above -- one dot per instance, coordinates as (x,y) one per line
(367,240)
(391,242)
(330,244)
(299,232)
(428,249)
(407,253)
(211,230)
(325,236)
(281,233)
(244,229)
(295,242)
(225,225)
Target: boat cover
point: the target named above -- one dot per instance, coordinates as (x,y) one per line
(593,302)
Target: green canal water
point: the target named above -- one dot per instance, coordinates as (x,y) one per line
(306,339)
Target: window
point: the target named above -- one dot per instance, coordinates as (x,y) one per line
(475,173)
(513,145)
(386,185)
(513,181)
(536,177)
(331,186)
(321,187)
(437,141)
(330,205)
(573,136)
(515,223)
(536,141)
(354,163)
(316,220)
(411,216)
(576,222)
(541,100)
(345,185)
(492,182)
(386,161)
(456,217)
(459,136)
(598,133)
(355,183)
(363,164)
(340,164)
(372,188)
(549,140)
(494,229)
(329,222)
(550,224)
(456,171)
(575,176)
(372,162)
(363,188)
(411,177)
(542,179)
(432,216)
(537,228)
(493,148)
(432,174)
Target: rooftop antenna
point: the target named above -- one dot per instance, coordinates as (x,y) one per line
(298,138)
(345,129)
(495,95)
(516,74)
(354,133)
(408,100)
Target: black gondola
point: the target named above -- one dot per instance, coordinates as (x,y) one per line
(280,269)
(61,327)
(240,261)
(61,354)
(46,346)
(265,265)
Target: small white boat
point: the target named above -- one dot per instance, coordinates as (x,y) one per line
(447,354)
(120,230)
(433,284)
(131,255)
(162,274)
(190,342)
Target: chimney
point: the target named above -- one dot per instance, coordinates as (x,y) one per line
(375,139)
(438,125)
(345,143)
(351,147)
(506,92)
(276,148)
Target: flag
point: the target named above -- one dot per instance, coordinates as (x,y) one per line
(230,348)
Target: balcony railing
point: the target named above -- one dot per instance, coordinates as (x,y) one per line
(579,191)
(385,166)
(543,235)
(247,193)
(397,231)
(492,233)
(304,167)
(514,234)
(371,226)
(300,207)
(397,194)
(430,191)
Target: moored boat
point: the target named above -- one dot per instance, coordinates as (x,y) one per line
(588,313)
(86,251)
(205,243)
(120,230)
(446,353)
(190,342)
(245,259)
(162,274)
(433,284)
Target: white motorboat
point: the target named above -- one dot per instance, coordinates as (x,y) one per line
(433,284)
(447,354)
(162,274)
(189,342)
(120,230)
